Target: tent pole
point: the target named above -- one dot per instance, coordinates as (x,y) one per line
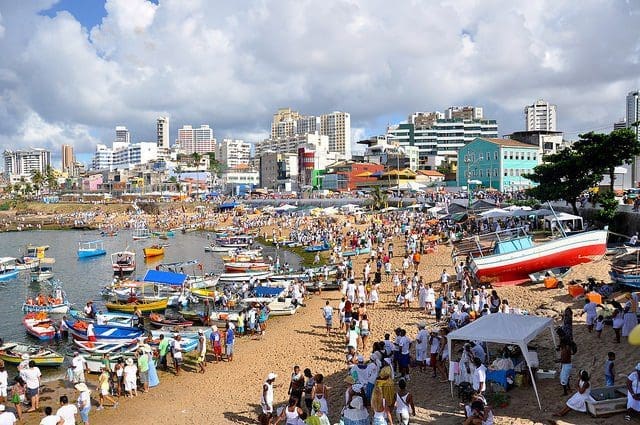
(449,353)
(533,379)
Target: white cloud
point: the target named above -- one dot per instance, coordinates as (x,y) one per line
(232,64)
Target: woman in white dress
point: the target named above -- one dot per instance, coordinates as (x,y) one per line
(422,297)
(633,393)
(577,401)
(130,378)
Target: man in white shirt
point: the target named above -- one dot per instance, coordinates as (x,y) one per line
(79,366)
(444,280)
(341,312)
(422,340)
(327,313)
(6,418)
(479,377)
(31,376)
(478,351)
(591,309)
(49,417)
(67,412)
(176,352)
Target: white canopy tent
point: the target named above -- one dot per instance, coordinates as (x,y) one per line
(512,329)
(564,219)
(495,213)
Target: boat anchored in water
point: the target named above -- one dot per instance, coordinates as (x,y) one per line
(87,249)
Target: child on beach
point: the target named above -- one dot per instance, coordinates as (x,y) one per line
(609,369)
(599,325)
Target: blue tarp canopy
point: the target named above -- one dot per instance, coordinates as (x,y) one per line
(228,205)
(266,291)
(165,278)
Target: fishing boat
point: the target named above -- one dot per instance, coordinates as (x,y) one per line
(625,269)
(12,352)
(44,270)
(153,251)
(78,330)
(95,361)
(109,233)
(102,347)
(140,233)
(160,320)
(123,262)
(57,303)
(243,277)
(246,267)
(105,318)
(509,256)
(8,270)
(283,307)
(317,248)
(557,272)
(144,306)
(39,325)
(89,249)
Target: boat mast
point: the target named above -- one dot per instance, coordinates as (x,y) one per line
(564,234)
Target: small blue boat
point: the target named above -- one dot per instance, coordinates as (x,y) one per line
(78,329)
(316,248)
(358,251)
(8,270)
(91,249)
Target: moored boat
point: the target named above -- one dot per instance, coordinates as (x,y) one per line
(160,320)
(246,276)
(89,249)
(8,269)
(317,248)
(102,347)
(356,252)
(508,257)
(39,325)
(123,262)
(78,330)
(246,267)
(12,352)
(557,272)
(144,306)
(153,251)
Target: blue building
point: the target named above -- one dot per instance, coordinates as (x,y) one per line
(497,163)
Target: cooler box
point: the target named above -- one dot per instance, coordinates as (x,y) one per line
(595,297)
(575,290)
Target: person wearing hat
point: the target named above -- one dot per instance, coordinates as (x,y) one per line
(266,400)
(130,378)
(202,350)
(633,393)
(318,417)
(7,418)
(103,387)
(84,402)
(230,339)
(216,343)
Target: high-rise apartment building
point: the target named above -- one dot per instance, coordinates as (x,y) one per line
(162,132)
(633,109)
(337,125)
(122,134)
(284,123)
(19,164)
(424,119)
(124,155)
(463,112)
(198,140)
(67,158)
(233,153)
(540,116)
(291,144)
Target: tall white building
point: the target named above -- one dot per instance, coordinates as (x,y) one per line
(291,144)
(162,132)
(122,134)
(337,125)
(18,164)
(198,140)
(123,155)
(633,108)
(540,116)
(233,153)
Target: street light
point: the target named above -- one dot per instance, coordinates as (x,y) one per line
(635,158)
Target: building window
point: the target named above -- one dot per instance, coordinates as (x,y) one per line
(495,172)
(505,154)
(510,154)
(534,156)
(495,155)
(506,173)
(488,158)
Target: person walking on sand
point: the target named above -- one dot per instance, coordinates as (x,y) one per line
(321,393)
(103,388)
(84,402)
(404,404)
(327,313)
(202,350)
(31,376)
(266,399)
(230,340)
(176,353)
(67,412)
(296,385)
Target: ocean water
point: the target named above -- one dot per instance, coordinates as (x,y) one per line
(82,279)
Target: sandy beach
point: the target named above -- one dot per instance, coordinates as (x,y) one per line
(230,392)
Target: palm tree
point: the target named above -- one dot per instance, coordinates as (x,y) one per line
(178,170)
(379,198)
(37,178)
(196,161)
(50,177)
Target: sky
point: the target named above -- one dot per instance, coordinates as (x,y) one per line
(71,70)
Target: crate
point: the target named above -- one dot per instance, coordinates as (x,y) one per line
(607,401)
(545,374)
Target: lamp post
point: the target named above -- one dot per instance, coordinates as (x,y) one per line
(470,159)
(635,158)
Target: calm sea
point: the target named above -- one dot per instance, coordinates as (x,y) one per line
(83,279)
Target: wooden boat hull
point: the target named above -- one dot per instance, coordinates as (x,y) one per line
(516,266)
(558,272)
(9,275)
(12,352)
(246,267)
(159,305)
(104,333)
(159,320)
(246,276)
(53,308)
(153,252)
(88,253)
(42,329)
